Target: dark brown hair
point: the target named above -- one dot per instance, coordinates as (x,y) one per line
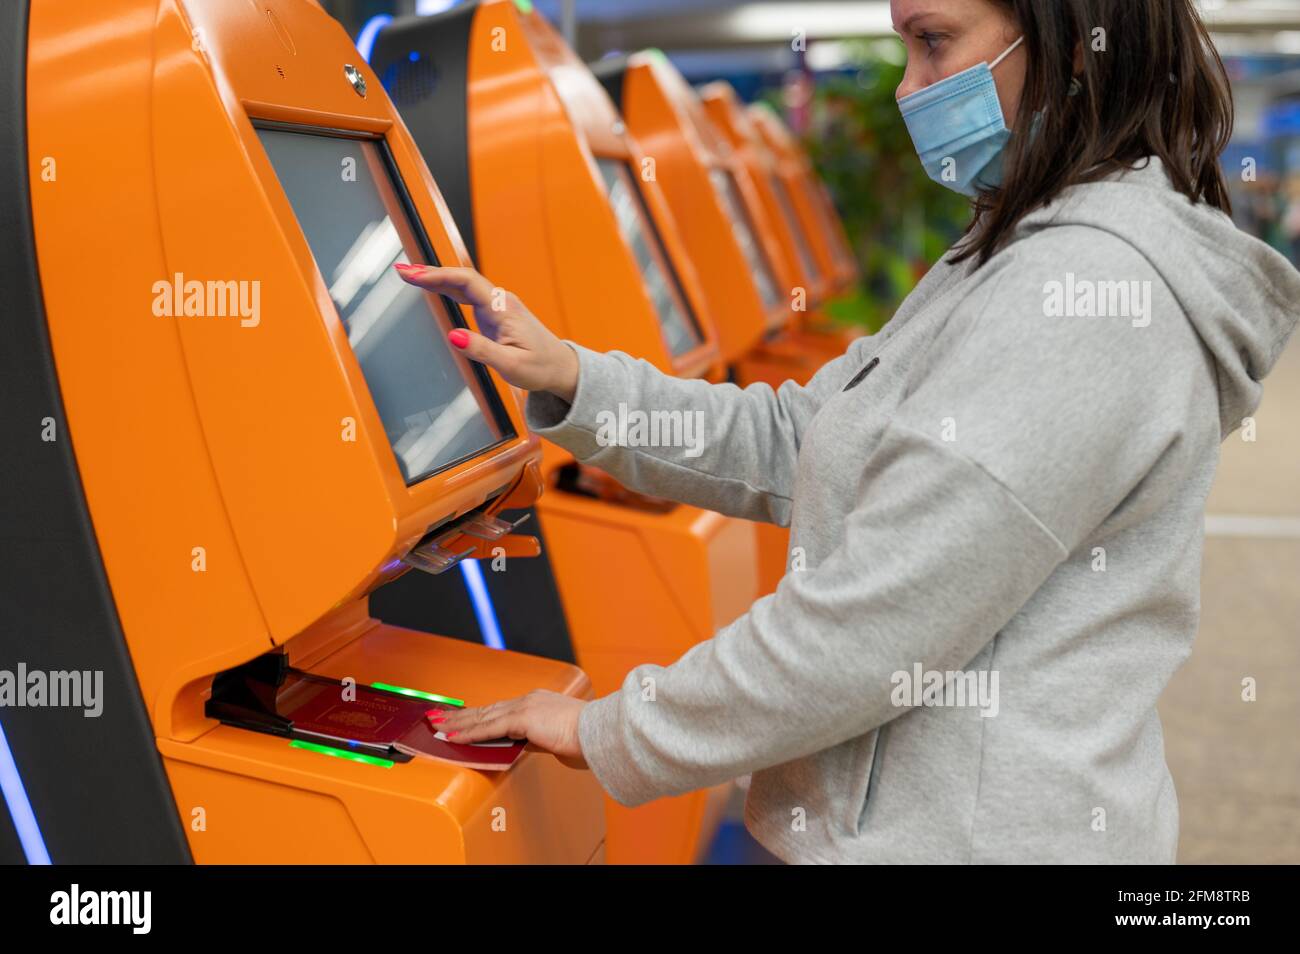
(1158,88)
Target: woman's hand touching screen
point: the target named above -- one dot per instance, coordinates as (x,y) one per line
(516,344)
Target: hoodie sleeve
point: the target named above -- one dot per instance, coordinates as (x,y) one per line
(739,449)
(1020,435)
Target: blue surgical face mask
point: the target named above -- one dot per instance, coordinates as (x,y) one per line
(958,128)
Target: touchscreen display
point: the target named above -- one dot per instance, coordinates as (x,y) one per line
(436,408)
(741,225)
(661,283)
(807,264)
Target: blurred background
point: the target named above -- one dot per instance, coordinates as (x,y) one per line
(835,82)
(1236,764)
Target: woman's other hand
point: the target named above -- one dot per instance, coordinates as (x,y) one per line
(548,720)
(516,344)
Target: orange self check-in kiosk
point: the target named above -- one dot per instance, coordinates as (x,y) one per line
(775,185)
(234,424)
(813,206)
(736,124)
(715,197)
(808,339)
(566,213)
(704,185)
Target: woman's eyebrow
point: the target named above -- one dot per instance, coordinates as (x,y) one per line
(911,21)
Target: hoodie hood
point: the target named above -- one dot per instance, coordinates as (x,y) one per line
(1242,296)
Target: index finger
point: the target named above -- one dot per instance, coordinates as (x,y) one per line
(478,723)
(463,285)
(460,720)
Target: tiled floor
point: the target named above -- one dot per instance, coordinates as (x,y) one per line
(1236,764)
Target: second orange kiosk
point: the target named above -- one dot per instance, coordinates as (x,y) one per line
(706,186)
(560,206)
(716,197)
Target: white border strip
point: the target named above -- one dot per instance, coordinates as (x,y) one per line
(1275,528)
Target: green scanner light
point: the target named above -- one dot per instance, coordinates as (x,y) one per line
(416,693)
(341,753)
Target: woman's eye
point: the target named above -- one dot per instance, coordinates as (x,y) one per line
(931,40)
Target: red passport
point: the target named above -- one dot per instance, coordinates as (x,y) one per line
(318,707)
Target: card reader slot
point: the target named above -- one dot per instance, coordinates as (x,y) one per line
(265,694)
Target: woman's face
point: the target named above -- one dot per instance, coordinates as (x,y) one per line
(944,37)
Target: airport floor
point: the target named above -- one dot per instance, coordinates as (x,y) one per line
(1236,764)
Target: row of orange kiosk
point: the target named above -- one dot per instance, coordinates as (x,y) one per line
(245,458)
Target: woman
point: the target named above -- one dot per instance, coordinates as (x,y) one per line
(1002,492)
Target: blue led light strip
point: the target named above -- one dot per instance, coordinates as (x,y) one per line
(482,600)
(20,809)
(484,612)
(369,33)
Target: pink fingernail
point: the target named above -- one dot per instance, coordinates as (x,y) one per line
(450,734)
(459,337)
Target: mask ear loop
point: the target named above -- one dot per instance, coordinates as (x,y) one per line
(1007,52)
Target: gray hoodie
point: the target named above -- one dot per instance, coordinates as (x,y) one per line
(995,548)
